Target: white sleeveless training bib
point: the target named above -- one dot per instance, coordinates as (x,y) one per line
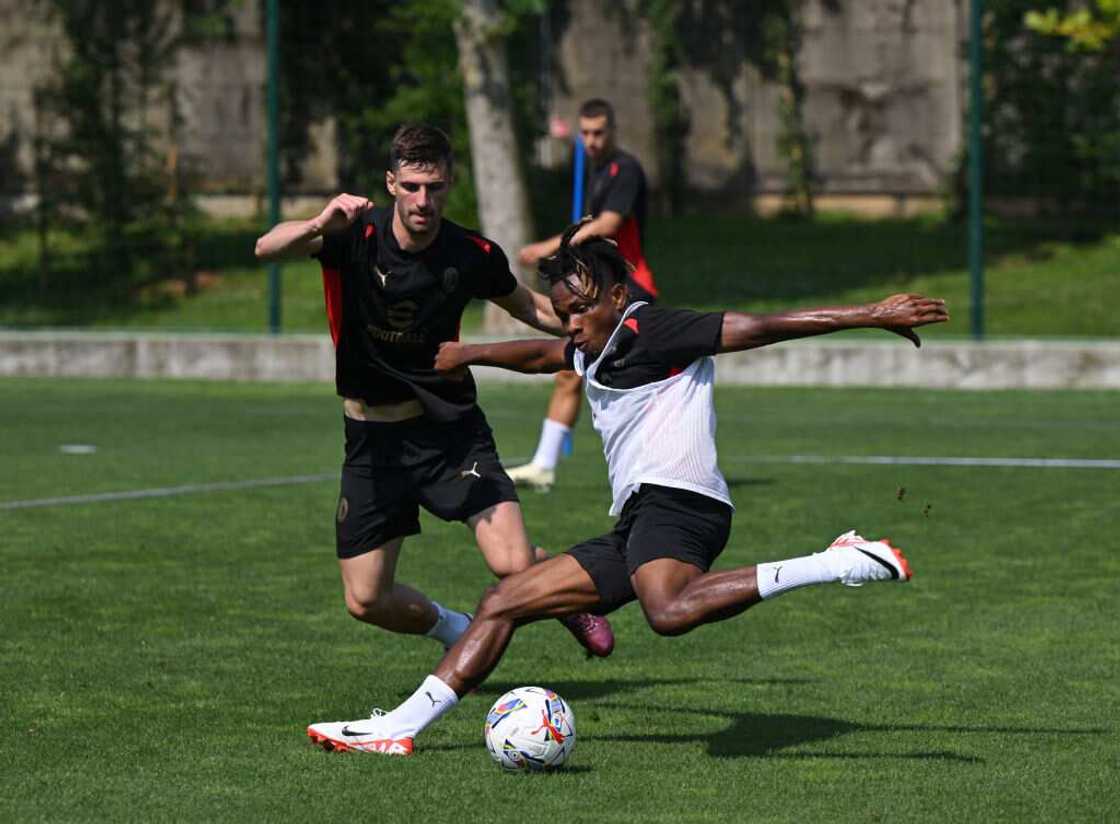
(660,433)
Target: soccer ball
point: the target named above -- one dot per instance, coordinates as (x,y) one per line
(530,728)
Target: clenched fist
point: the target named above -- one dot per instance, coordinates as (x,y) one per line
(341,212)
(450,360)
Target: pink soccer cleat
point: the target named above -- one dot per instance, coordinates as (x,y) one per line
(592,631)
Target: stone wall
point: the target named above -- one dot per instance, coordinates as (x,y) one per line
(884,82)
(219,96)
(884,86)
(1010,365)
(29,45)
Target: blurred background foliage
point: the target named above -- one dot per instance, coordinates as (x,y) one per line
(116,237)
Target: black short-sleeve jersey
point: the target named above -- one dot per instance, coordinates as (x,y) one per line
(655,343)
(389,310)
(619,185)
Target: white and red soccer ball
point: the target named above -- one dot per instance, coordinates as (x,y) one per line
(530,728)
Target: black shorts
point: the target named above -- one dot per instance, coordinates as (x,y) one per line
(392,469)
(656,522)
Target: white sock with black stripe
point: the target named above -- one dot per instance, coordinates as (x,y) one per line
(782,576)
(422,708)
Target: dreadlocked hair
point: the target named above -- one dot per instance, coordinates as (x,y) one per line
(586,269)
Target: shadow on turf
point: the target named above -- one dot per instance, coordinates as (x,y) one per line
(590,690)
(752,735)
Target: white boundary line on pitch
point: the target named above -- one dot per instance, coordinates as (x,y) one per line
(168,491)
(887,460)
(894,460)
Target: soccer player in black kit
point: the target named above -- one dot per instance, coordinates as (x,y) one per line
(616,201)
(396,281)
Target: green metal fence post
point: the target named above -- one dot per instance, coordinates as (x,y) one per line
(976,168)
(272,32)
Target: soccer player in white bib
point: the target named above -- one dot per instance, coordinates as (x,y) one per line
(648,374)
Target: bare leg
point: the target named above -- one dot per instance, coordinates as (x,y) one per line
(677,597)
(550,589)
(563,410)
(374,597)
(500,534)
(564,405)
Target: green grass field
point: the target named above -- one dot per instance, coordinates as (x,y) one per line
(162,656)
(1045,279)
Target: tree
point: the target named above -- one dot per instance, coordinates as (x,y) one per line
(108,104)
(503,201)
(1052,112)
(1086,29)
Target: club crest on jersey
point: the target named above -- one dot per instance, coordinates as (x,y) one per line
(383,276)
(401,315)
(450,279)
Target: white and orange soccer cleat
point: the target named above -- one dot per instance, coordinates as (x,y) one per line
(367,735)
(532,476)
(858,560)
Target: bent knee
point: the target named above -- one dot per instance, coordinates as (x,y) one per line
(511,563)
(667,621)
(364,604)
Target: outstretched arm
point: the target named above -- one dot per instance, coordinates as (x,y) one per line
(300,238)
(899,314)
(529,356)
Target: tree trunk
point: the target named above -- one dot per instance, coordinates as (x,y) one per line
(503,202)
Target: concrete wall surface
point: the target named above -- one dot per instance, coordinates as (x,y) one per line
(997,365)
(883,82)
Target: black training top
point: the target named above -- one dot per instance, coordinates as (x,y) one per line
(389,309)
(655,343)
(619,185)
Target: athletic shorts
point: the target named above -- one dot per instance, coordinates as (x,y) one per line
(393,469)
(656,522)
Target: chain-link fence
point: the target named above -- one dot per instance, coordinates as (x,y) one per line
(800,151)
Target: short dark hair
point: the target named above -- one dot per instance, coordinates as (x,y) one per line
(596,263)
(597,107)
(420,145)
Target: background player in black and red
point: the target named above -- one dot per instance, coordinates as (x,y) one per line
(616,190)
(397,280)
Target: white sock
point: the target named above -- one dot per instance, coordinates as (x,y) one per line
(423,707)
(550,444)
(449,625)
(783,576)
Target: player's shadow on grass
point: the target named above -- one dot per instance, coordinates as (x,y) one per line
(592,690)
(753,735)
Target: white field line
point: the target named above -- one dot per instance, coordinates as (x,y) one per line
(896,460)
(168,491)
(887,460)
